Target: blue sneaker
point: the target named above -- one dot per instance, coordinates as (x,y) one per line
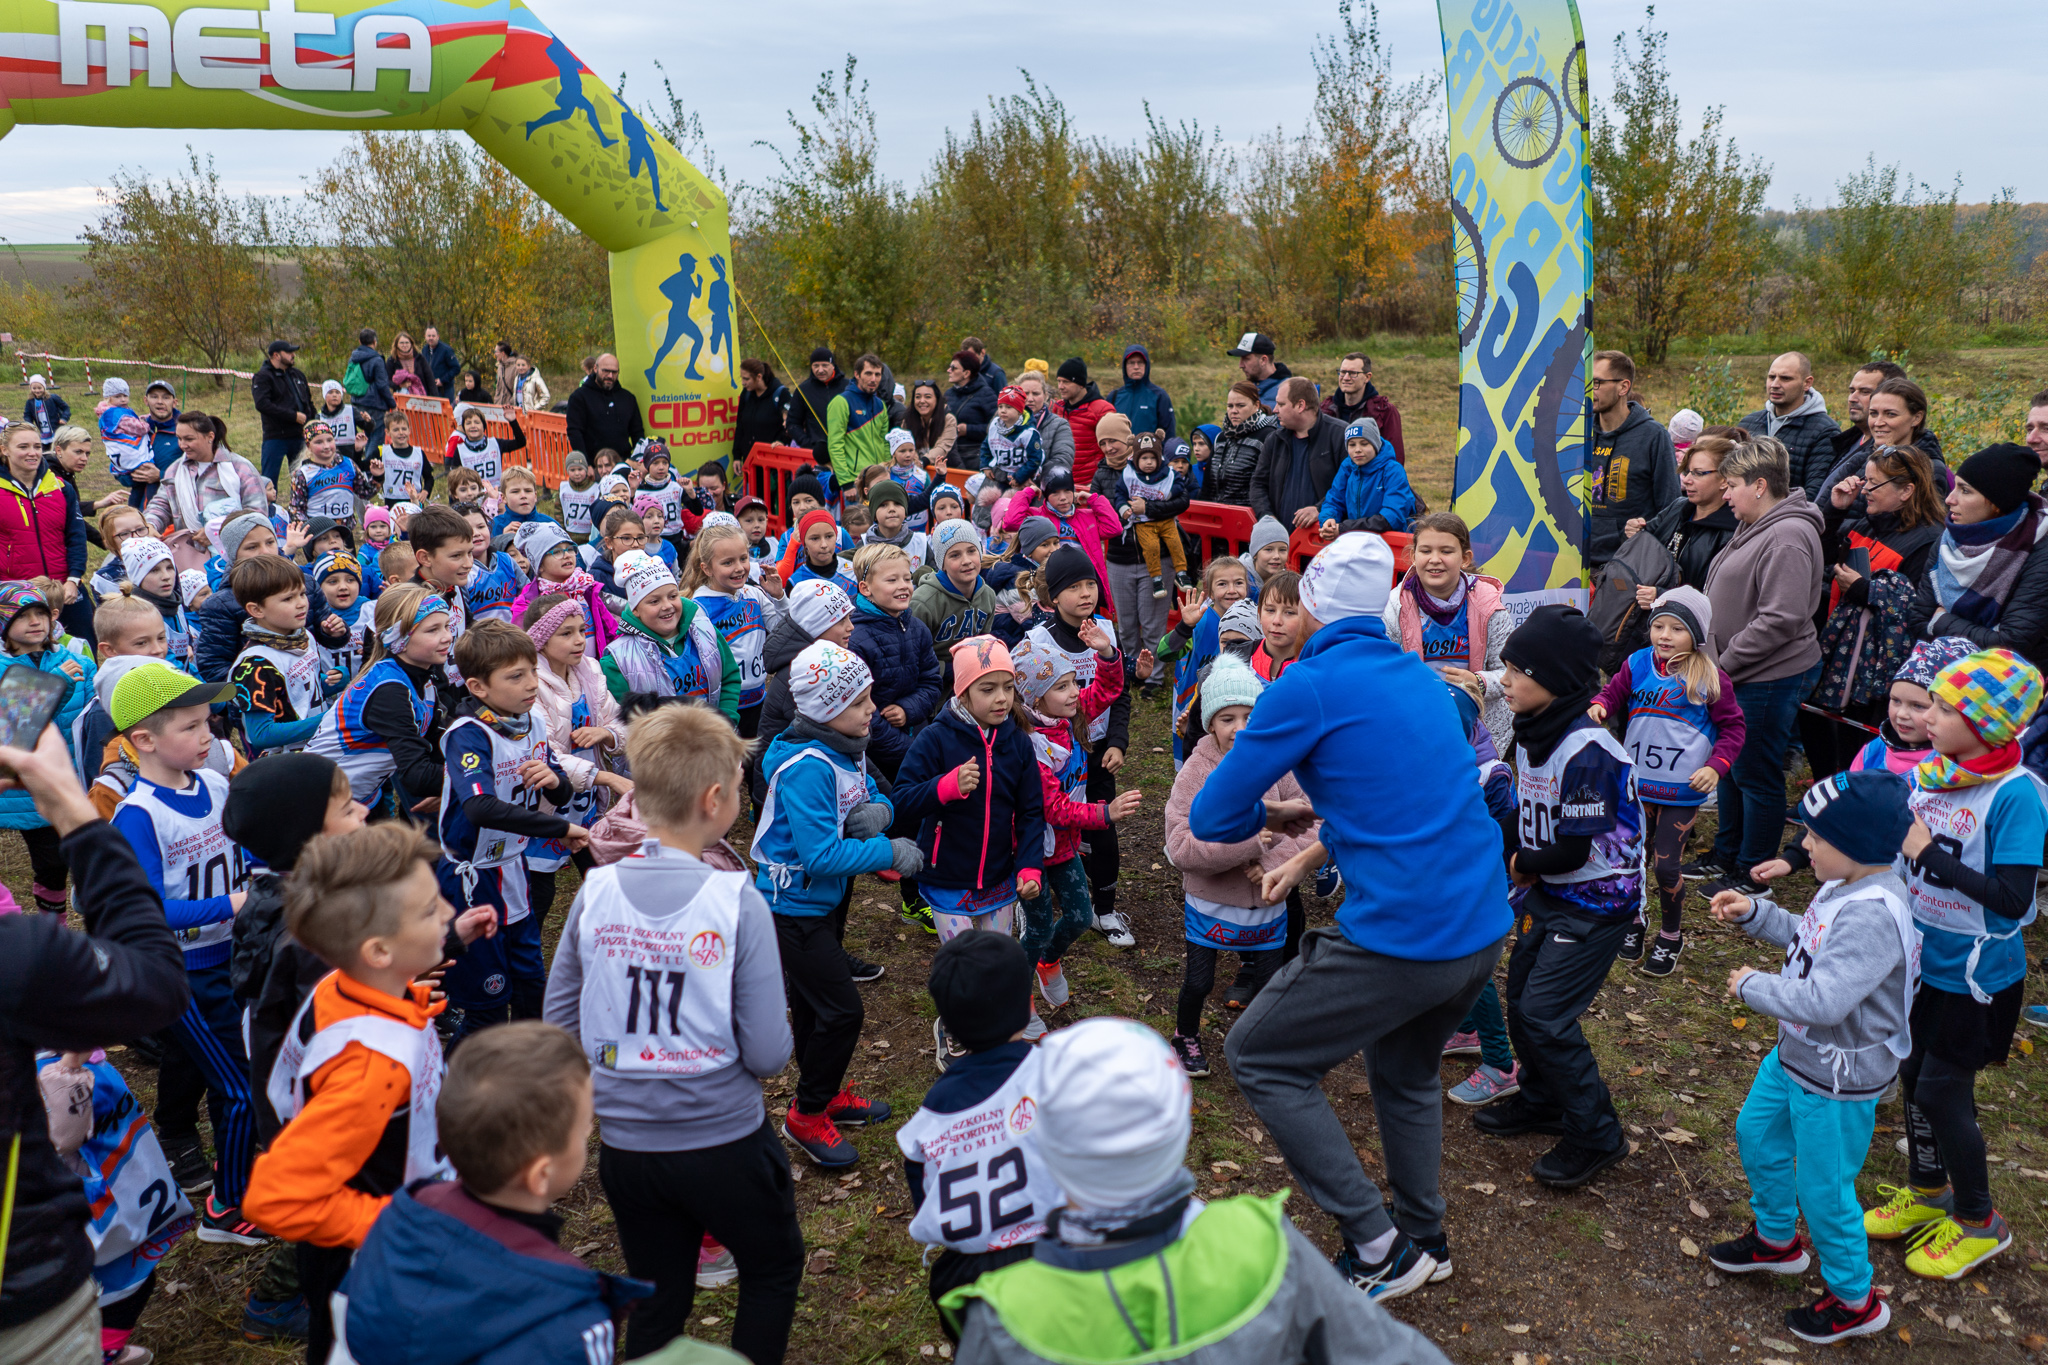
(2037,1015)
(1328,879)
(1405,1269)
(275,1319)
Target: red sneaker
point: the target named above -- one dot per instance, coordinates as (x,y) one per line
(818,1138)
(853,1109)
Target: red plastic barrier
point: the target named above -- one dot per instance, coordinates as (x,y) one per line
(958,478)
(768,473)
(1218,527)
(1307,542)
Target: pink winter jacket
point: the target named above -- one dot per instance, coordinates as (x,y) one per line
(597,617)
(1092,522)
(558,696)
(1216,872)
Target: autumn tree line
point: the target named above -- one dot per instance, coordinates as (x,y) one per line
(1047,241)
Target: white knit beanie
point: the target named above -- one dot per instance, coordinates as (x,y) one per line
(1351,576)
(817,605)
(639,573)
(1115,1117)
(140,554)
(825,679)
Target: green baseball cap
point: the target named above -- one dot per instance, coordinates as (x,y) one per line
(158,687)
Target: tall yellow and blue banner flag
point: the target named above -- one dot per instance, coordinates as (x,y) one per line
(1515,81)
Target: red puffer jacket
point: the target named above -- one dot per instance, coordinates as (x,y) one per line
(41,529)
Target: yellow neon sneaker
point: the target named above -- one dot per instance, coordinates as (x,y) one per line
(1905,1210)
(1949,1250)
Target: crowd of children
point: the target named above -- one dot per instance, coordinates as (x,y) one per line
(354,772)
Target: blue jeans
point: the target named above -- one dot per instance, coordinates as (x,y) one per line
(1752,800)
(1801,1152)
(277,453)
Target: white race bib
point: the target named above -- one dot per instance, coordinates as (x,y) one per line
(657,992)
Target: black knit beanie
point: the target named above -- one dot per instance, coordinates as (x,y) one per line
(822,353)
(1074,370)
(981,983)
(278,803)
(2003,473)
(1069,565)
(808,484)
(1558,647)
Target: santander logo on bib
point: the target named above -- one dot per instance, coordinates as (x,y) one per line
(708,948)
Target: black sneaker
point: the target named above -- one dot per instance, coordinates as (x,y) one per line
(1829,1320)
(1739,883)
(1192,1059)
(1631,943)
(1158,587)
(189,1166)
(227,1226)
(1515,1115)
(1406,1269)
(1569,1165)
(863,970)
(1702,870)
(1663,956)
(1750,1254)
(1440,1252)
(946,1049)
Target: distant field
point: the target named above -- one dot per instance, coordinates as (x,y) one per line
(55,265)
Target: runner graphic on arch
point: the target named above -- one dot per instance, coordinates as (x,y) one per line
(569,96)
(682,290)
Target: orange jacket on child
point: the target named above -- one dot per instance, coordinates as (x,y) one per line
(337,1164)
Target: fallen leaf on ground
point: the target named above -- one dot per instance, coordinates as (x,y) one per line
(1225,1166)
(1906,1335)
(1483,1187)
(1633,1017)
(1520,1329)
(1519,1358)
(1739,1022)
(1699,1210)
(1688,1246)
(2001,1315)
(1678,1137)
(586,1249)
(1783,1348)
(1635,1071)
(1613,1241)
(1525,1204)
(2034,1341)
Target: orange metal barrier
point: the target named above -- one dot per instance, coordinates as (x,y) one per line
(1218,527)
(768,473)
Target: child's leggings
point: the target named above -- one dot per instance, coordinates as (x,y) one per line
(1060,912)
(1001,921)
(1152,535)
(1944,1144)
(1665,830)
(1198,978)
(1485,1019)
(1801,1152)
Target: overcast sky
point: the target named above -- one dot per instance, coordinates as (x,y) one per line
(1814,87)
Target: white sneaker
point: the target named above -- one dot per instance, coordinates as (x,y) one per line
(1035,1029)
(1116,929)
(715,1271)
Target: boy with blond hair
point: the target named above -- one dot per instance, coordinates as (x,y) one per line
(669,973)
(359,1072)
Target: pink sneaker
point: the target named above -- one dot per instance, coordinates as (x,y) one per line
(1487,1084)
(715,1265)
(1462,1045)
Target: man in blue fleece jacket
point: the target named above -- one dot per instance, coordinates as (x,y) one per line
(1389,771)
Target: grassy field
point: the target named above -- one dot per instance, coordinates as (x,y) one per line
(1611,1273)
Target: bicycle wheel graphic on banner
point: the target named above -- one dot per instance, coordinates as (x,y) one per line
(1468,271)
(1527,123)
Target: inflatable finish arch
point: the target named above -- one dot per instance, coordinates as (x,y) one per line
(489,68)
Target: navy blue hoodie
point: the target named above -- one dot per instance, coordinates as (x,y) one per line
(446,1278)
(1141,400)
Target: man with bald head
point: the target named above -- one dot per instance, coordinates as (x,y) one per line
(604,415)
(1796,414)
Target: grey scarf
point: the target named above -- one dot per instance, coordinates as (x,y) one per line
(803,727)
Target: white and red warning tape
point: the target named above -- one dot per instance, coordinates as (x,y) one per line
(91,360)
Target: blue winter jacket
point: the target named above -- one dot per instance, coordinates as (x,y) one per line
(1143,401)
(1377,488)
(17,810)
(981,840)
(802,860)
(1380,753)
(446,1277)
(898,651)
